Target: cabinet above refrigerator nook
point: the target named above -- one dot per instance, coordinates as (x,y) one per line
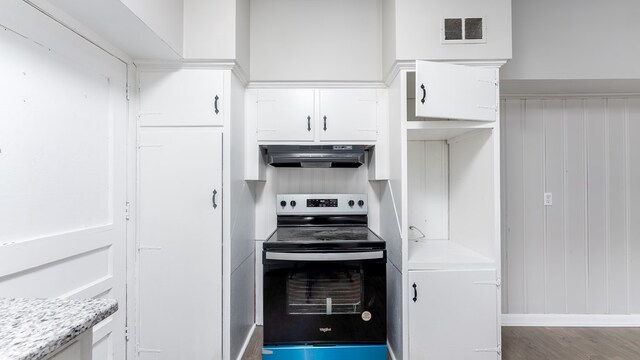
(456,92)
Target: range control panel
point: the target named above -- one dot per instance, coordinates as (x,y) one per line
(322,203)
(318,204)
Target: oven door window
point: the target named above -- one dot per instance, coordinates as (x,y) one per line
(337,292)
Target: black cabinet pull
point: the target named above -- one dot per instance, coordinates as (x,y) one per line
(325,123)
(215,104)
(308,123)
(424,93)
(213,199)
(415,292)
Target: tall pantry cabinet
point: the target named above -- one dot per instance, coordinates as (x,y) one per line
(449,165)
(180,213)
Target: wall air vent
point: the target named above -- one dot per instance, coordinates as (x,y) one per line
(469,30)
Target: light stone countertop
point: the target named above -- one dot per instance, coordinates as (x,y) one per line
(31,329)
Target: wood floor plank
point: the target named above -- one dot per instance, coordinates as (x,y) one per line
(533,343)
(539,343)
(254,349)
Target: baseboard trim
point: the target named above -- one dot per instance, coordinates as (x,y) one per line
(571,320)
(246,342)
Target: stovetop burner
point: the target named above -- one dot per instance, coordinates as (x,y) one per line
(323,238)
(327,222)
(309,234)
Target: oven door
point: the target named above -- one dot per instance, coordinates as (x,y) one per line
(324,298)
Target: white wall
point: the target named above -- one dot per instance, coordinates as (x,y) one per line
(217,30)
(574,39)
(114,22)
(239,205)
(389,24)
(419,35)
(392,222)
(63,118)
(428,184)
(209,29)
(303,181)
(580,255)
(243,33)
(316,40)
(164,17)
(472,192)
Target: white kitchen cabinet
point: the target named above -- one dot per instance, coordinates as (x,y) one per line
(453,315)
(348,115)
(445,166)
(80,348)
(180,243)
(459,92)
(184,97)
(307,115)
(285,115)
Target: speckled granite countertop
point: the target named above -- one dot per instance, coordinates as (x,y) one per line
(31,329)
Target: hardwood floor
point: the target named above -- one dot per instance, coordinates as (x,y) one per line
(254,349)
(533,343)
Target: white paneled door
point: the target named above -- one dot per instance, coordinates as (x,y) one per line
(286,115)
(181,97)
(348,115)
(63,116)
(453,315)
(180,243)
(456,91)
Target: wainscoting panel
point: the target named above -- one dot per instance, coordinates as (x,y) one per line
(580,255)
(63,119)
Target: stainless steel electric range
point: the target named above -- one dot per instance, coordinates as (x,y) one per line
(324,281)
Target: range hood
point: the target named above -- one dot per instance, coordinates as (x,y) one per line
(314,156)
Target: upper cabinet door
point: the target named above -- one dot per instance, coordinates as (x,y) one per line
(348,115)
(285,115)
(181,97)
(456,91)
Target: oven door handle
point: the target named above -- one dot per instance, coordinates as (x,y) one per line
(344,256)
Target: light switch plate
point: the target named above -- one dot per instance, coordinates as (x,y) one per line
(548,199)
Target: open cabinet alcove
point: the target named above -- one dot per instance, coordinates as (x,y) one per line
(450,199)
(445,182)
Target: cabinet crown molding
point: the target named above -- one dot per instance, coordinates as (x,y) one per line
(207,64)
(316,85)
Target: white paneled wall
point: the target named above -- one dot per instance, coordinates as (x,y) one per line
(301,181)
(428,178)
(581,255)
(63,119)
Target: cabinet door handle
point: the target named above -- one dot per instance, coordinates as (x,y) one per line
(308,123)
(325,122)
(213,199)
(424,93)
(415,292)
(215,103)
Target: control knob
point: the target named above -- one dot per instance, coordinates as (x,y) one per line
(283,203)
(351,203)
(292,203)
(360,203)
